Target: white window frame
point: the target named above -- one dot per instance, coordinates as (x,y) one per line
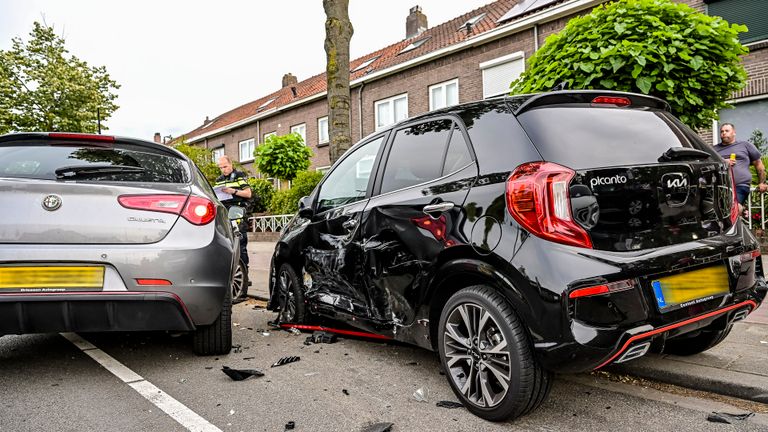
(217,153)
(444,86)
(501,61)
(323,138)
(267,135)
(391,102)
(301,129)
(251,143)
(323,169)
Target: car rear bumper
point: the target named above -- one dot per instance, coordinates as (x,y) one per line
(22,313)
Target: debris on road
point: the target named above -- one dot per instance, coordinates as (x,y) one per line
(722,417)
(421,395)
(355,333)
(345,391)
(286,360)
(321,337)
(241,374)
(294,331)
(378,427)
(449,404)
(290,425)
(231,412)
(237,349)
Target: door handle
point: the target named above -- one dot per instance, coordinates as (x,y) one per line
(435,209)
(349,224)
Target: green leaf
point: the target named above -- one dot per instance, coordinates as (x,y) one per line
(644,84)
(620,27)
(636,71)
(587,67)
(617,63)
(697,62)
(640,60)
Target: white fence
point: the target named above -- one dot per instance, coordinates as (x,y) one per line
(274,223)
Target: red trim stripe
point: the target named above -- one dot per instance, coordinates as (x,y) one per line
(674,326)
(337,331)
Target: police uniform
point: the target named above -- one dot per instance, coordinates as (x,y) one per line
(237,180)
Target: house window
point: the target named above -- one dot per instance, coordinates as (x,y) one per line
(267,135)
(246,149)
(217,153)
(392,110)
(322,130)
(499,73)
(746,117)
(323,169)
(301,130)
(751,13)
(444,94)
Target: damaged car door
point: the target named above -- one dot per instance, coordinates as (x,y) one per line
(414,214)
(332,254)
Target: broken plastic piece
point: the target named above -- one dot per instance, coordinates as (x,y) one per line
(345,391)
(321,337)
(241,374)
(290,425)
(449,404)
(379,427)
(421,395)
(294,331)
(286,360)
(722,417)
(337,331)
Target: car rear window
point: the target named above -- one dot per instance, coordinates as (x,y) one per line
(87,163)
(586,137)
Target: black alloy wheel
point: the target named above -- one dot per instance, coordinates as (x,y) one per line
(240,283)
(292,296)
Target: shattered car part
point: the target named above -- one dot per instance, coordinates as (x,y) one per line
(337,331)
(378,427)
(449,404)
(290,425)
(321,337)
(241,374)
(723,417)
(286,360)
(421,395)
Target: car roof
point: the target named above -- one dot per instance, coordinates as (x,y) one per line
(95,139)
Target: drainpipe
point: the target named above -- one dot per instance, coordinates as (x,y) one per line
(360,109)
(535,37)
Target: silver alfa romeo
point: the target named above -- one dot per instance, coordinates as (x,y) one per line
(101,233)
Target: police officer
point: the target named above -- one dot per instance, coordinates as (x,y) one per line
(234,183)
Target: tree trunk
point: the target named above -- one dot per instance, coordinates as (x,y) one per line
(338,32)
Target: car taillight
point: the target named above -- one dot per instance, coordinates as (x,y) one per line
(538,199)
(735,201)
(96,139)
(611,100)
(196,210)
(608,288)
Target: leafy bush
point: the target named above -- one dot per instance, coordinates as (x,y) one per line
(262,192)
(203,158)
(287,201)
(282,156)
(656,47)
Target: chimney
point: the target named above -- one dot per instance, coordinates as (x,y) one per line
(289,80)
(206,121)
(157,138)
(416,22)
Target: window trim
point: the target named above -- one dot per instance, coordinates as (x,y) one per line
(240,150)
(215,158)
(509,58)
(305,131)
(391,100)
(443,84)
(320,142)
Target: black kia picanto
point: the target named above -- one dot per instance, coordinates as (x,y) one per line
(522,236)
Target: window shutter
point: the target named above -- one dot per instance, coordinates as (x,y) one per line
(752,13)
(496,79)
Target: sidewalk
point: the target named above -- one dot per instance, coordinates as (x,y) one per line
(737,367)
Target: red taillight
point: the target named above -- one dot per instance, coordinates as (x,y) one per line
(611,100)
(612,287)
(196,210)
(82,137)
(735,201)
(153,282)
(537,197)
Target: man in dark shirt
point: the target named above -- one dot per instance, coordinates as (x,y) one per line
(740,155)
(234,183)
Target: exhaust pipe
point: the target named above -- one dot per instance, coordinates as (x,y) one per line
(740,315)
(634,352)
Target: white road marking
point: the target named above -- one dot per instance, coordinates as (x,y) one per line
(175,409)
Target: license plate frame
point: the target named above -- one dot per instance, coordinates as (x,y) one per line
(692,287)
(51,278)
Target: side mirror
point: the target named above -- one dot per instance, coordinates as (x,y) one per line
(305,207)
(236,212)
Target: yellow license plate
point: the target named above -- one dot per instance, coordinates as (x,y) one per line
(686,289)
(51,278)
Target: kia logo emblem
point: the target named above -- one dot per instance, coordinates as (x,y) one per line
(52,202)
(675,188)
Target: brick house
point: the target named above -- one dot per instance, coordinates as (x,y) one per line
(471,57)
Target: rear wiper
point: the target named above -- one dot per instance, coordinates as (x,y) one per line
(683,153)
(94,170)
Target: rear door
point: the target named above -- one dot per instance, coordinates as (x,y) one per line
(414,214)
(653,181)
(65,192)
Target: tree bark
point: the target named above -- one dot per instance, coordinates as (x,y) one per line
(338,32)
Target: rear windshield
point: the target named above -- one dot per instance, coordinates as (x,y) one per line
(86,163)
(585,137)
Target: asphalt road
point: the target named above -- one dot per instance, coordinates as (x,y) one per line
(48,384)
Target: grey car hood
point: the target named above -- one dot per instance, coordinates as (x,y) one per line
(89,213)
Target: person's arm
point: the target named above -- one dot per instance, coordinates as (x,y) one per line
(760,168)
(243,193)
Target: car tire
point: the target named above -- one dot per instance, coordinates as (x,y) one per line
(216,338)
(527,383)
(697,343)
(240,283)
(291,295)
